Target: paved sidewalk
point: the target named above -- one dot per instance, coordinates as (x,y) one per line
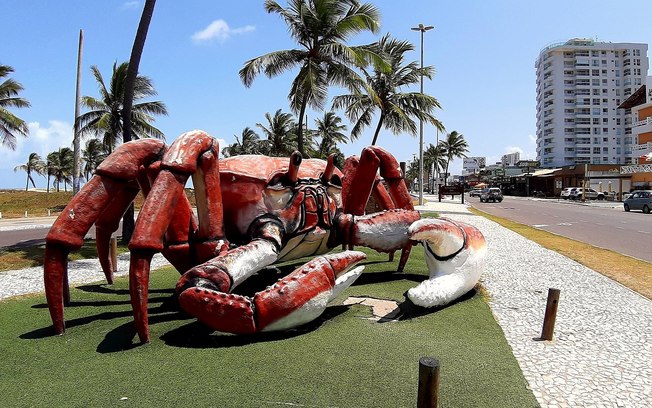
(601,354)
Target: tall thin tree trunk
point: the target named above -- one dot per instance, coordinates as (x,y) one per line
(302,111)
(130,81)
(27,183)
(377,132)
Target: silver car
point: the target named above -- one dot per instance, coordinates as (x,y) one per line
(639,200)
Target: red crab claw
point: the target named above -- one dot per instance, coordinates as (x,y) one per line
(298,298)
(455,255)
(361,180)
(104,200)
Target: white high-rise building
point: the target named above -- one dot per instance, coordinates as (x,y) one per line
(580,84)
(510,159)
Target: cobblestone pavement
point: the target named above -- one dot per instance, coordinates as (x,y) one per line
(601,355)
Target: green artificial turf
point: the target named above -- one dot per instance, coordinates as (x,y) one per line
(342,360)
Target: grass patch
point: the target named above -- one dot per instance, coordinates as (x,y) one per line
(630,272)
(14,203)
(341,360)
(19,257)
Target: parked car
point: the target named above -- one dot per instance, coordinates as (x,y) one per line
(567,192)
(476,192)
(639,200)
(588,193)
(491,194)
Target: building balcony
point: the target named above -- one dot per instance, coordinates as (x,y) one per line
(642,149)
(643,126)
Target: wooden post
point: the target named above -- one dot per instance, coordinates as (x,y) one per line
(551,314)
(428,382)
(114,254)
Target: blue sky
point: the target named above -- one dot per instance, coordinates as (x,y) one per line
(483,53)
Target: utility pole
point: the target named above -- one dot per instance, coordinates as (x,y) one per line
(422,29)
(76,170)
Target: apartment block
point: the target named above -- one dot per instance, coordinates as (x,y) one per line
(580,84)
(510,159)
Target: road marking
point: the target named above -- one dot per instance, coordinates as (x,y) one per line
(645,232)
(565,224)
(540,225)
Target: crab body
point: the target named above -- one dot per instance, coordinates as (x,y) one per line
(251,211)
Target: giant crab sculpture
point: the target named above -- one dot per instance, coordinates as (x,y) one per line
(253,211)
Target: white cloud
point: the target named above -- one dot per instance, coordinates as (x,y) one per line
(42,140)
(127,5)
(219,30)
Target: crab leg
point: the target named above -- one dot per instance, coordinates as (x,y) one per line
(193,153)
(91,204)
(107,224)
(296,299)
(384,231)
(358,184)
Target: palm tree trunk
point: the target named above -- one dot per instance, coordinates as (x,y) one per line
(377,132)
(27,183)
(48,187)
(130,81)
(302,111)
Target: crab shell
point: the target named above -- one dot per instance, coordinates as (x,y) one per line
(248,190)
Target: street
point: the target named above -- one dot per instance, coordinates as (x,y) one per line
(601,223)
(597,222)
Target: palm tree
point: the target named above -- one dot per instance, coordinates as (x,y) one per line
(249,144)
(92,156)
(105,117)
(321,28)
(51,165)
(279,132)
(330,129)
(34,164)
(382,92)
(60,166)
(434,157)
(455,147)
(10,124)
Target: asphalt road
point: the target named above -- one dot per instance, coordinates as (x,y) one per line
(599,223)
(596,223)
(32,234)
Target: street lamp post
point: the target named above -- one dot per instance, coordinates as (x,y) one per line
(422,29)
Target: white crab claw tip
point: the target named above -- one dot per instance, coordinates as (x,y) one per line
(443,236)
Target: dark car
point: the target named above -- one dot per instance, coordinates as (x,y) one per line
(639,200)
(491,194)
